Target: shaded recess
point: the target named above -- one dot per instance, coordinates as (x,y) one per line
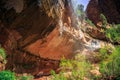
(29,32)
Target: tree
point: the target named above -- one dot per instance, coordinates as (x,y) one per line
(80,12)
(81,7)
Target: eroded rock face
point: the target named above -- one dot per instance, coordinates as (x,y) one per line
(93,11)
(110,8)
(33,27)
(28,21)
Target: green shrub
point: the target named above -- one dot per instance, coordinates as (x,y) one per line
(79,68)
(113,33)
(59,76)
(111,67)
(104,21)
(101,55)
(7,75)
(104,53)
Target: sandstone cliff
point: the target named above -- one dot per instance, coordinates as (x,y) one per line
(33,35)
(110,8)
(30,29)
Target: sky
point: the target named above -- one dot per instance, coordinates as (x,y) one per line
(84,2)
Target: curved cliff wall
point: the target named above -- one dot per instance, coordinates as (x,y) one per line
(30,30)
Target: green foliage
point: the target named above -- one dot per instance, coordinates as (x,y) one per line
(80,12)
(59,76)
(111,67)
(80,9)
(28,77)
(113,33)
(101,55)
(104,20)
(118,78)
(90,22)
(7,75)
(79,68)
(2,53)
(104,53)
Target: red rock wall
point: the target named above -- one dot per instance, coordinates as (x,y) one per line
(110,8)
(34,30)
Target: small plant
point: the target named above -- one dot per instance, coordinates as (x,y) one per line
(27,77)
(7,75)
(2,53)
(2,59)
(104,21)
(90,22)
